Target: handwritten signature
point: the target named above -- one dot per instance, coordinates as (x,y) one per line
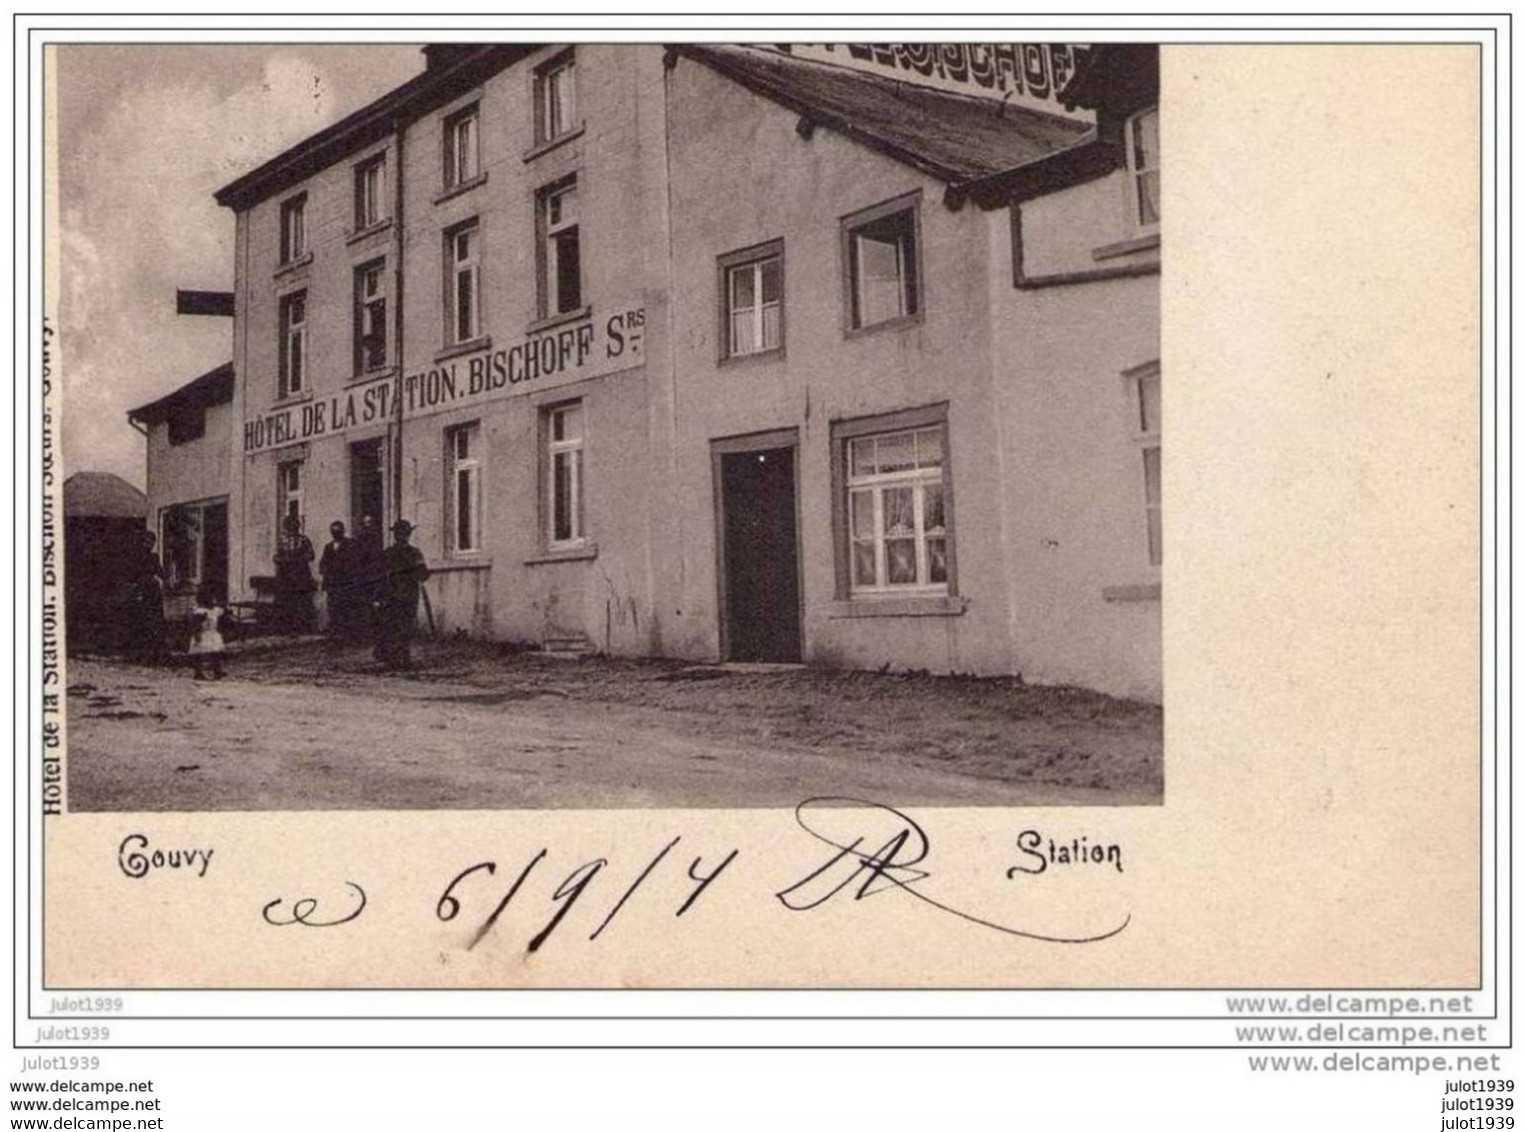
(891,866)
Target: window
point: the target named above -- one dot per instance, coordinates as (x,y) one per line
(462,283)
(752,300)
(560,250)
(371,316)
(1144,168)
(462,162)
(370,193)
(1144,395)
(187,424)
(881,252)
(564,503)
(288,480)
(556,98)
(897,519)
(194,540)
(293,347)
(464,506)
(293,229)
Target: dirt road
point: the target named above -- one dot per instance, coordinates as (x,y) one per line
(300,727)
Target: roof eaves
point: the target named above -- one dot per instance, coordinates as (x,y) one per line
(821,117)
(366,125)
(211,388)
(1088,160)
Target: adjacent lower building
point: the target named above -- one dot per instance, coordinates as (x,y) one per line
(843,355)
(191,463)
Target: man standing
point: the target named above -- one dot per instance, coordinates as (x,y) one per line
(405,574)
(337,569)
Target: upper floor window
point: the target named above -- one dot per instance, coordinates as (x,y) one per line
(881,256)
(752,298)
(1144,167)
(1144,398)
(294,228)
(370,192)
(371,316)
(560,250)
(462,139)
(462,283)
(293,345)
(556,98)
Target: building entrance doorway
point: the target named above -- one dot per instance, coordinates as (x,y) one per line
(760,567)
(366,491)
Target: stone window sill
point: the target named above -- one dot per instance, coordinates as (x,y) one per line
(1126,247)
(583,553)
(539,149)
(464,187)
(941,605)
(369,376)
(459,348)
(451,565)
(554,320)
(292,399)
(366,233)
(294,266)
(1144,591)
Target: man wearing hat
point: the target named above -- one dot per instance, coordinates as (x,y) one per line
(405,573)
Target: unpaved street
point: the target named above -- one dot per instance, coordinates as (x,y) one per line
(298,726)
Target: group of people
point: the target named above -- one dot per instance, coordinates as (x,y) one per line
(368,590)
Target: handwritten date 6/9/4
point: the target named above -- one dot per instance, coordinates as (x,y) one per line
(869,848)
(469,882)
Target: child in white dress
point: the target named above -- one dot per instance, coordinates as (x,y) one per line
(206,635)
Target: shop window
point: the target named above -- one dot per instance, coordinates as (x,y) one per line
(288,485)
(881,259)
(463,456)
(293,228)
(462,283)
(193,538)
(556,98)
(293,345)
(560,249)
(371,317)
(462,139)
(1143,136)
(564,439)
(1144,405)
(896,528)
(370,192)
(752,300)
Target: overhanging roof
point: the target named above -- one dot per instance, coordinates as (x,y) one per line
(451,72)
(212,388)
(952,137)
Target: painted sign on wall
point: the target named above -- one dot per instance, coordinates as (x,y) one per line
(560,356)
(1033,73)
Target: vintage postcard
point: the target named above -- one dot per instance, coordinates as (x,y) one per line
(581,513)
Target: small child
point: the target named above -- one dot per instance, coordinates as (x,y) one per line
(207,646)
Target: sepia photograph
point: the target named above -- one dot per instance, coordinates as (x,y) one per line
(575,426)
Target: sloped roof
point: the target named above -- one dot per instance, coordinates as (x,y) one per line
(952,137)
(452,69)
(212,388)
(101,495)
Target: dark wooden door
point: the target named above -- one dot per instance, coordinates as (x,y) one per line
(365,488)
(761,556)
